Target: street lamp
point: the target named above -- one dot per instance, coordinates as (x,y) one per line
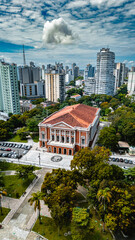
(39,158)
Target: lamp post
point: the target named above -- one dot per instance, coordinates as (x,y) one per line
(39,158)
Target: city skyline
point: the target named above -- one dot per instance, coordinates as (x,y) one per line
(67,31)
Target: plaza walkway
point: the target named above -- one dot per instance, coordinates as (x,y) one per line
(23,219)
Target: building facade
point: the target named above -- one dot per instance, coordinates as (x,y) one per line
(105,80)
(70,129)
(33,90)
(89,71)
(55,86)
(9,93)
(90,86)
(131,83)
(120,74)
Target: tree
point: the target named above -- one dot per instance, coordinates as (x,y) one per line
(36,197)
(121,210)
(108,138)
(24,171)
(80,227)
(84,161)
(23,132)
(104,195)
(32,125)
(59,191)
(2,193)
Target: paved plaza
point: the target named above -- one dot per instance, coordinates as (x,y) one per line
(44,159)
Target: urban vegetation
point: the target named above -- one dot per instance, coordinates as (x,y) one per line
(110,198)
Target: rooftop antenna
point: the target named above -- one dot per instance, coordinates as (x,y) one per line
(24,60)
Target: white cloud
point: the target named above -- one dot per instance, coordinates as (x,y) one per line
(109,3)
(57,32)
(77,4)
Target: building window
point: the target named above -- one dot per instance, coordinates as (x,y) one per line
(52,130)
(62,139)
(43,144)
(67,139)
(59,150)
(83,141)
(65,151)
(43,136)
(70,152)
(50,149)
(52,137)
(57,138)
(67,132)
(57,131)
(72,140)
(54,149)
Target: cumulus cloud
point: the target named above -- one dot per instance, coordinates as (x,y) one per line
(57,32)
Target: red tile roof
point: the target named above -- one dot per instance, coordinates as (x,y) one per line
(78,115)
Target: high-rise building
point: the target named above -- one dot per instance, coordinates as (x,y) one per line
(76,72)
(120,74)
(89,71)
(131,83)
(90,85)
(105,80)
(29,74)
(55,86)
(9,93)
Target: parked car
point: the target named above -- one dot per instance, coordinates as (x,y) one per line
(126,161)
(8,149)
(130,161)
(121,160)
(4,154)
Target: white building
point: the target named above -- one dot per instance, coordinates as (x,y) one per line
(9,93)
(68,78)
(131,83)
(4,116)
(90,86)
(105,80)
(120,74)
(55,86)
(36,89)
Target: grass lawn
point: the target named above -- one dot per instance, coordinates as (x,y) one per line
(49,230)
(5,166)
(5,212)
(16,138)
(15,187)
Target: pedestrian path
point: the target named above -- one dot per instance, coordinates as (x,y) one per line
(16,227)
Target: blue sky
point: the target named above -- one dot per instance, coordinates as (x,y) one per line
(67,31)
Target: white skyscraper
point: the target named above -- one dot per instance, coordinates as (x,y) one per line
(105,80)
(131,83)
(9,93)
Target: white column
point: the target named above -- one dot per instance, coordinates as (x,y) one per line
(55,135)
(74,136)
(64,136)
(60,135)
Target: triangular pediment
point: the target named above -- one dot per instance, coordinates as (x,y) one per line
(62,125)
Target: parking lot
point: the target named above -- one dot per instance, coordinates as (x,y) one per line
(123,162)
(13,150)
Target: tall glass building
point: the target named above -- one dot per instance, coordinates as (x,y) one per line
(9,93)
(105,80)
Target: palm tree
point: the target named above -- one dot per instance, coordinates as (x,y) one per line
(103,195)
(2,192)
(36,197)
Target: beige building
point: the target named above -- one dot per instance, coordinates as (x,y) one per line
(55,86)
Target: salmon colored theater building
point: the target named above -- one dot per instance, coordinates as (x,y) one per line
(70,129)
